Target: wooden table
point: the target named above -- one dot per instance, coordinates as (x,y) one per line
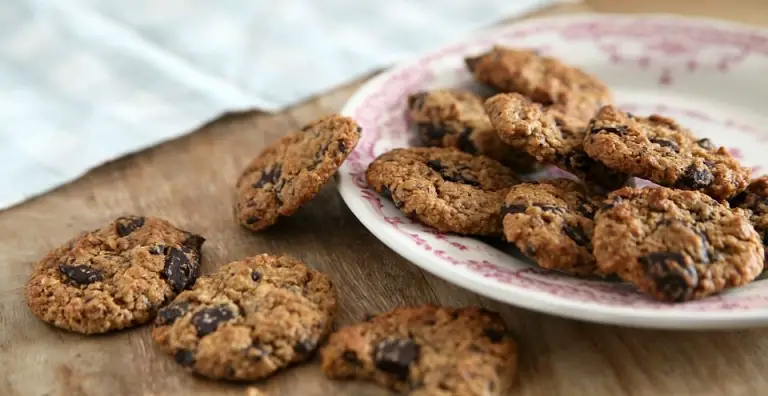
(189,181)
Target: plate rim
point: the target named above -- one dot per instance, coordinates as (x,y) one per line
(528,299)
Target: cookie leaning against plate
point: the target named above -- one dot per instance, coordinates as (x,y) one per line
(455,118)
(249,319)
(114,277)
(550,136)
(755,200)
(551,221)
(543,79)
(676,245)
(445,188)
(660,150)
(292,170)
(426,350)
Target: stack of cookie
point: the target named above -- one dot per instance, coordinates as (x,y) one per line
(256,316)
(699,232)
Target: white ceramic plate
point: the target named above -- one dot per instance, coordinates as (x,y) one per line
(712,76)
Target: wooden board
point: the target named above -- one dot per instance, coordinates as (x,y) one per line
(189,181)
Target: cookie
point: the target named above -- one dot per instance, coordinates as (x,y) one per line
(676,245)
(249,319)
(426,350)
(551,221)
(292,170)
(543,79)
(549,136)
(755,200)
(445,188)
(658,149)
(455,118)
(115,277)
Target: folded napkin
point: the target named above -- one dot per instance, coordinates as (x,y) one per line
(83,82)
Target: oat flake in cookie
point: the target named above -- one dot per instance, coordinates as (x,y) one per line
(676,245)
(249,319)
(114,277)
(445,188)
(551,221)
(550,137)
(543,79)
(292,170)
(660,150)
(455,118)
(426,351)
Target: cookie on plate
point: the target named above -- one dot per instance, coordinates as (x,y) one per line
(115,277)
(551,221)
(249,319)
(543,79)
(292,170)
(426,350)
(658,149)
(445,188)
(676,245)
(550,136)
(455,118)
(755,200)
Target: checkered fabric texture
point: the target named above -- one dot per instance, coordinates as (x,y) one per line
(83,82)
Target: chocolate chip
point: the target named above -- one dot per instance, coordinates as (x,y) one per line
(465,143)
(269,177)
(432,134)
(256,276)
(471,62)
(351,357)
(252,220)
(359,130)
(695,178)
(194,242)
(305,346)
(184,357)
(706,144)
(157,249)
(674,276)
(417,100)
(616,129)
(171,312)
(207,320)
(739,200)
(179,270)
(576,234)
(81,274)
(127,225)
(395,357)
(549,208)
(512,209)
(495,335)
(342,147)
(452,174)
(666,143)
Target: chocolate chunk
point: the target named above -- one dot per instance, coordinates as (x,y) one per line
(616,129)
(549,208)
(269,177)
(706,144)
(666,143)
(495,335)
(342,147)
(184,357)
(594,171)
(305,346)
(416,101)
(512,209)
(465,143)
(127,225)
(252,219)
(452,174)
(359,130)
(81,274)
(255,275)
(351,357)
(157,249)
(207,320)
(387,193)
(739,200)
(171,312)
(695,178)
(179,270)
(674,276)
(431,134)
(471,62)
(194,242)
(395,357)
(576,234)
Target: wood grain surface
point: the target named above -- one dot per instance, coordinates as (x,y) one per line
(189,181)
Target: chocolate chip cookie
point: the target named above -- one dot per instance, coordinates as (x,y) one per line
(543,79)
(249,319)
(426,350)
(115,277)
(755,200)
(676,245)
(658,149)
(292,170)
(551,221)
(549,136)
(455,118)
(445,188)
